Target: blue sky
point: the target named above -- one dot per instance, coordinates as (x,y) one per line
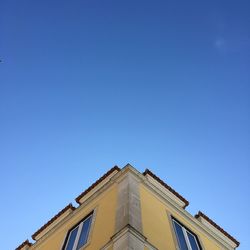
(86,85)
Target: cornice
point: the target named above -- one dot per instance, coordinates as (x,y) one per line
(159,188)
(128,230)
(158,182)
(25,245)
(220,239)
(205,220)
(52,222)
(97,185)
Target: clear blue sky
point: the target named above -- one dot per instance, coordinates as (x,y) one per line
(88,84)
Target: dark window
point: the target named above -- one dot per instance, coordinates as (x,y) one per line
(72,238)
(84,233)
(193,242)
(78,236)
(186,239)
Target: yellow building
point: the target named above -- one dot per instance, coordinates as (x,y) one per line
(126,209)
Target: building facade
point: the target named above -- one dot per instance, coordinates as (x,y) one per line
(125,210)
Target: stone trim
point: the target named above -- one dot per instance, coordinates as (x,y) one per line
(201,217)
(130,239)
(219,238)
(52,222)
(147,172)
(25,245)
(128,203)
(112,171)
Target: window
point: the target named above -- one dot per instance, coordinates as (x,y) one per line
(186,239)
(78,236)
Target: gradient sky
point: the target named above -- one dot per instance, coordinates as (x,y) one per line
(88,84)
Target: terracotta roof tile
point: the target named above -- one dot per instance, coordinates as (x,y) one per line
(23,244)
(115,168)
(200,214)
(52,220)
(147,171)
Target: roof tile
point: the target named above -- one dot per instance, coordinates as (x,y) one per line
(200,214)
(147,171)
(70,206)
(78,198)
(26,242)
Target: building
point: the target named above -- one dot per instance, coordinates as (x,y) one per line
(126,209)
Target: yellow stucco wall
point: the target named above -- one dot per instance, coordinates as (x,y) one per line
(158,228)
(103,224)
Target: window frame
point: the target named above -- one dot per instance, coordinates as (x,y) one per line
(79,231)
(185,231)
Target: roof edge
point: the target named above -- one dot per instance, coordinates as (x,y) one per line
(25,243)
(69,206)
(200,214)
(79,197)
(148,172)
